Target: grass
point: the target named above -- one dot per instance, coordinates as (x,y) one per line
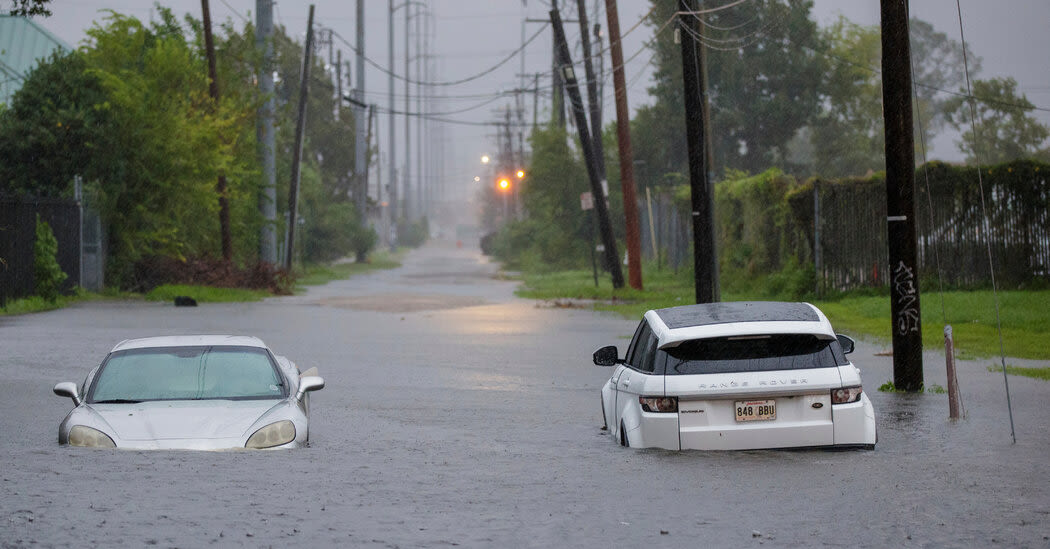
(315,275)
(34,304)
(206,294)
(1025,315)
(890,387)
(308,276)
(1035,373)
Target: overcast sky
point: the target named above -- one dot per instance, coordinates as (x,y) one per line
(469,36)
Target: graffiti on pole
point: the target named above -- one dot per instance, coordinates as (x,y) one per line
(908,299)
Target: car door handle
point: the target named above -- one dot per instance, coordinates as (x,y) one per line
(626,382)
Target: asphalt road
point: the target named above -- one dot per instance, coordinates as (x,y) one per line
(458,415)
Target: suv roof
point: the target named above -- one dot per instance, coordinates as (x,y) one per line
(706,320)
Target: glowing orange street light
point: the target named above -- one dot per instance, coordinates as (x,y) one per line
(521,174)
(504,184)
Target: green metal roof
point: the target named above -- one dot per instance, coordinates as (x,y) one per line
(23,43)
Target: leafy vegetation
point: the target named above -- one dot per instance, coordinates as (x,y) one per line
(205,294)
(47,275)
(1032,372)
(130,113)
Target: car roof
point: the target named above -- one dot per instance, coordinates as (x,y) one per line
(674,325)
(189,341)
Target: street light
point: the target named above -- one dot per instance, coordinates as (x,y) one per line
(520,174)
(477,179)
(485,159)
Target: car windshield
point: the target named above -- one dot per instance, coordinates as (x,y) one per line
(187,373)
(750,354)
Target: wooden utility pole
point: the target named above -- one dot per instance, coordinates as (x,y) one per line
(600,207)
(900,196)
(557,86)
(213,91)
(705,257)
(265,133)
(623,138)
(300,130)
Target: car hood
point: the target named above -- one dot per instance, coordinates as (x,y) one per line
(183,419)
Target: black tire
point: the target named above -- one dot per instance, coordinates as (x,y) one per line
(623,437)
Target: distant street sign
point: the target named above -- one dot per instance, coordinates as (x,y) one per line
(586,201)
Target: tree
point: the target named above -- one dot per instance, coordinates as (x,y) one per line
(51,131)
(1004,129)
(29,8)
(554,232)
(937,64)
(848,137)
(763,81)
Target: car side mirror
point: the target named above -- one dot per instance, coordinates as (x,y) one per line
(846,342)
(68,389)
(607,356)
(309,383)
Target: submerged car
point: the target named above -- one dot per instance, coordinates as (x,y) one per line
(735,376)
(206,392)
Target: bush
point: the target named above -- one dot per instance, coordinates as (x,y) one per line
(47,274)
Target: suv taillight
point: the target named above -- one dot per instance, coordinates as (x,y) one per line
(845,395)
(659,404)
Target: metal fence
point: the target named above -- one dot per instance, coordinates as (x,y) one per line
(839,227)
(18,235)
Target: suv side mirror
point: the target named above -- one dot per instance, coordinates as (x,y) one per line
(607,356)
(68,389)
(846,342)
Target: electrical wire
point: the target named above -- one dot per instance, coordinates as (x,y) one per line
(472,78)
(984,212)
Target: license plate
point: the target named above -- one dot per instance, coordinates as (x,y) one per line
(756,410)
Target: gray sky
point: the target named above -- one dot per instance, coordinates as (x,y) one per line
(469,36)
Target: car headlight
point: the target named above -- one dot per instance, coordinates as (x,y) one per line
(274,434)
(81,435)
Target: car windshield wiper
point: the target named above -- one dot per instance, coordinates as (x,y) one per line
(117,401)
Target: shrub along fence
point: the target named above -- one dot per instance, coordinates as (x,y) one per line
(18,234)
(770,222)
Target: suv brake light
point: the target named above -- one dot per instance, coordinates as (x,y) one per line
(659,404)
(845,395)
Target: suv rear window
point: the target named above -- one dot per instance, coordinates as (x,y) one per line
(752,354)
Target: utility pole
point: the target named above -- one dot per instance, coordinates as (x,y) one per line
(391,211)
(705,257)
(406,176)
(557,86)
(339,81)
(600,206)
(623,138)
(360,143)
(900,196)
(300,130)
(213,91)
(592,91)
(265,133)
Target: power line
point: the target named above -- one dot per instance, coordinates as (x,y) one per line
(481,74)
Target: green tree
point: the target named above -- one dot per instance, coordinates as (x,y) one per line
(554,231)
(848,137)
(764,74)
(1004,128)
(47,275)
(54,129)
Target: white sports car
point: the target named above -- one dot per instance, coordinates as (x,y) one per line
(735,376)
(204,392)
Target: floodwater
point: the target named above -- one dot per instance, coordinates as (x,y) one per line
(458,415)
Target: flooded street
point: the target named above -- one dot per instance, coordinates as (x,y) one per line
(456,414)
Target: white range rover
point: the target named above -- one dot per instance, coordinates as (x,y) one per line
(735,376)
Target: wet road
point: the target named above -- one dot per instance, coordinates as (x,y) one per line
(457,414)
